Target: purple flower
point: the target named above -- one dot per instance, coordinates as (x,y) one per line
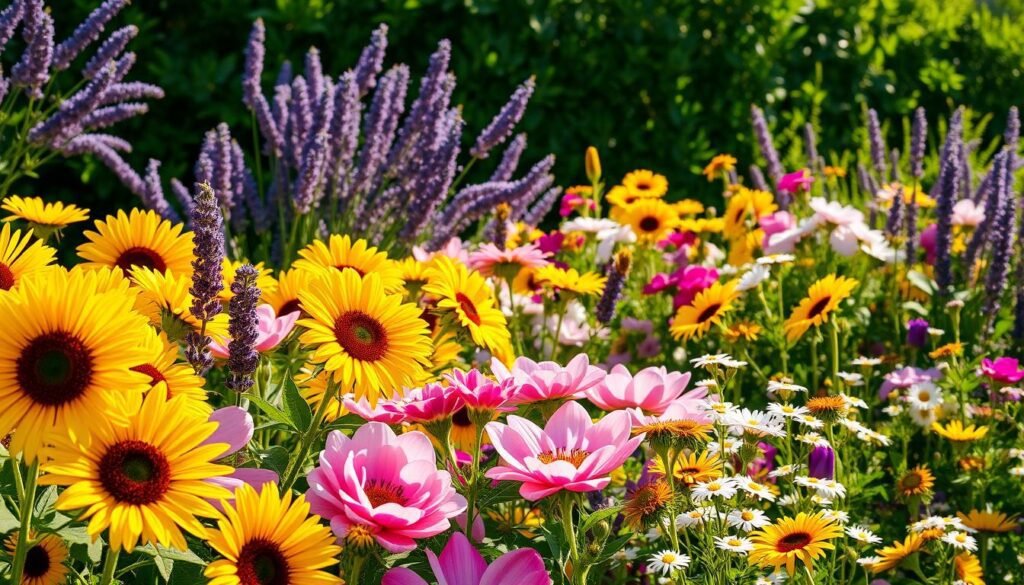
(1012,134)
(905,378)
(86,33)
(504,123)
(109,50)
(811,145)
(1001,239)
(32,71)
(617,274)
(877,143)
(243,325)
(208,241)
(919,136)
(949,184)
(821,463)
(10,18)
(917,333)
(766,146)
(763,463)
(510,159)
(540,208)
(371,61)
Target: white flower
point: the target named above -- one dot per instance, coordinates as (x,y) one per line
(961,541)
(851,378)
(607,239)
(755,422)
(710,359)
(775,386)
(923,418)
(667,562)
(732,447)
(788,500)
(625,555)
(590,225)
(753,277)
(832,489)
(865,361)
(734,544)
(837,516)
(784,470)
(748,519)
(869,561)
(862,534)
(776,259)
(705,490)
(893,409)
(924,396)
(853,401)
(690,518)
(787,409)
(809,420)
(706,383)
(720,410)
(754,488)
(1017,471)
(813,438)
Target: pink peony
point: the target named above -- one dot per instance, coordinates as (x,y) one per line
(461,564)
(652,390)
(385,484)
(272,330)
(968,213)
(1004,369)
(776,223)
(235,428)
(796,181)
(571,453)
(548,380)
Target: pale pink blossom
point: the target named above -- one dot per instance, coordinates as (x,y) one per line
(968,213)
(453,249)
(490,260)
(386,410)
(461,564)
(235,428)
(775,223)
(271,331)
(651,389)
(539,381)
(834,212)
(479,392)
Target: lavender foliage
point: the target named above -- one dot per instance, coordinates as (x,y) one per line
(1001,240)
(86,33)
(949,184)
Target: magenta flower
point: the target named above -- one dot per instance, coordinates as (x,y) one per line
(1005,370)
(481,393)
(690,281)
(796,181)
(430,403)
(930,241)
(571,453)
(385,484)
(548,380)
(235,429)
(658,283)
(652,390)
(550,243)
(271,331)
(461,564)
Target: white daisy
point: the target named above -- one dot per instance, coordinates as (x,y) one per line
(734,544)
(705,490)
(923,418)
(786,409)
(690,518)
(862,534)
(831,489)
(755,422)
(732,447)
(869,561)
(924,396)
(784,470)
(865,361)
(961,541)
(667,562)
(756,489)
(779,385)
(813,438)
(837,516)
(719,410)
(893,409)
(776,259)
(706,383)
(809,421)
(753,277)
(710,359)
(748,519)
(851,378)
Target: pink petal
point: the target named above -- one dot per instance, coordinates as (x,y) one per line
(460,563)
(234,427)
(402,576)
(518,567)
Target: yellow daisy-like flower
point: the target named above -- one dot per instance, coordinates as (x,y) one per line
(370,340)
(266,537)
(42,215)
(620,198)
(18,259)
(65,358)
(414,273)
(747,204)
(164,299)
(892,556)
(706,310)
(822,298)
(741,249)
(988,521)
(968,569)
(789,540)
(646,503)
(688,207)
(650,219)
(141,239)
(285,296)
(916,482)
(719,165)
(834,172)
(468,297)
(702,225)
(569,280)
(165,371)
(745,330)
(44,561)
(446,350)
(945,351)
(693,468)
(144,481)
(644,183)
(956,431)
(312,389)
(341,252)
(265,280)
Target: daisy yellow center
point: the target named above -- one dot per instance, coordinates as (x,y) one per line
(140,256)
(260,562)
(574,456)
(924,396)
(468,308)
(37,562)
(708,313)
(668,558)
(135,472)
(361,336)
(793,541)
(155,377)
(818,307)
(734,542)
(6,277)
(55,368)
(747,515)
(380,493)
(649,224)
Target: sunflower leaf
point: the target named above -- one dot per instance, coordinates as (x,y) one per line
(295,407)
(274,413)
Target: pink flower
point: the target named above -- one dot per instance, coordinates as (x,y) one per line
(905,378)
(272,330)
(386,411)
(489,259)
(929,241)
(796,181)
(966,212)
(548,380)
(690,281)
(652,390)
(453,248)
(572,201)
(834,212)
(480,392)
(430,403)
(775,223)
(1006,370)
(383,484)
(658,283)
(571,453)
(461,564)
(235,428)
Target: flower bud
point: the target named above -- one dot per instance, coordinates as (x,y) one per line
(593,165)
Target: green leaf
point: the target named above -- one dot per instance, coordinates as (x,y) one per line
(171,554)
(273,413)
(919,280)
(275,459)
(295,407)
(592,519)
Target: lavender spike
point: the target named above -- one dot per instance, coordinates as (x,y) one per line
(371,61)
(918,140)
(243,326)
(504,123)
(510,159)
(767,147)
(877,143)
(86,33)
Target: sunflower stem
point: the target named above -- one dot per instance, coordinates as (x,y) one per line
(109,566)
(307,437)
(27,501)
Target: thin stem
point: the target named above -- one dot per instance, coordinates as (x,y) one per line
(27,502)
(109,566)
(308,436)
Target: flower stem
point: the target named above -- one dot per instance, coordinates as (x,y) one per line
(307,437)
(27,497)
(109,566)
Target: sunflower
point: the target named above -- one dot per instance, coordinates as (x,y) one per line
(822,298)
(706,310)
(414,273)
(372,342)
(692,468)
(163,369)
(646,503)
(569,280)
(65,358)
(141,239)
(688,207)
(266,537)
(44,561)
(956,431)
(285,296)
(265,280)
(620,198)
(144,480)
(747,204)
(988,521)
(644,183)
(467,297)
(165,299)
(916,482)
(650,219)
(719,166)
(341,252)
(18,259)
(742,248)
(312,389)
(892,556)
(790,539)
(41,216)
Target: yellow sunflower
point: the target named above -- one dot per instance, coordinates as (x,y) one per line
(466,296)
(915,482)
(692,468)
(988,521)
(341,252)
(706,310)
(44,561)
(645,504)
(144,481)
(688,207)
(956,431)
(65,358)
(265,281)
(747,204)
(18,259)
(644,183)
(968,569)
(651,219)
(370,340)
(285,296)
(414,273)
(892,556)
(719,165)
(620,198)
(164,370)
(822,298)
(165,300)
(312,389)
(42,215)
(803,538)
(569,280)
(266,537)
(142,238)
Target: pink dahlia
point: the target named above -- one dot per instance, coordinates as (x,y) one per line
(491,260)
(384,485)
(461,564)
(651,389)
(235,429)
(796,181)
(1004,369)
(548,380)
(271,331)
(570,453)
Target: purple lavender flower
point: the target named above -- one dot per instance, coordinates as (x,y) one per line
(371,61)
(504,123)
(617,273)
(208,241)
(380,126)
(310,176)
(343,133)
(432,185)
(33,70)
(1012,134)
(917,333)
(949,185)
(821,463)
(109,50)
(766,145)
(919,136)
(314,70)
(243,326)
(73,110)
(99,147)
(252,94)
(877,143)
(535,214)
(811,145)
(757,179)
(1001,240)
(895,220)
(86,33)
(10,18)
(109,115)
(510,159)
(153,193)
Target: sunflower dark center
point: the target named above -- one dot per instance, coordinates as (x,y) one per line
(911,481)
(380,493)
(37,562)
(6,277)
(461,418)
(155,377)
(291,306)
(261,562)
(135,472)
(468,308)
(140,256)
(342,267)
(649,224)
(55,368)
(642,185)
(818,307)
(361,336)
(709,312)
(793,541)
